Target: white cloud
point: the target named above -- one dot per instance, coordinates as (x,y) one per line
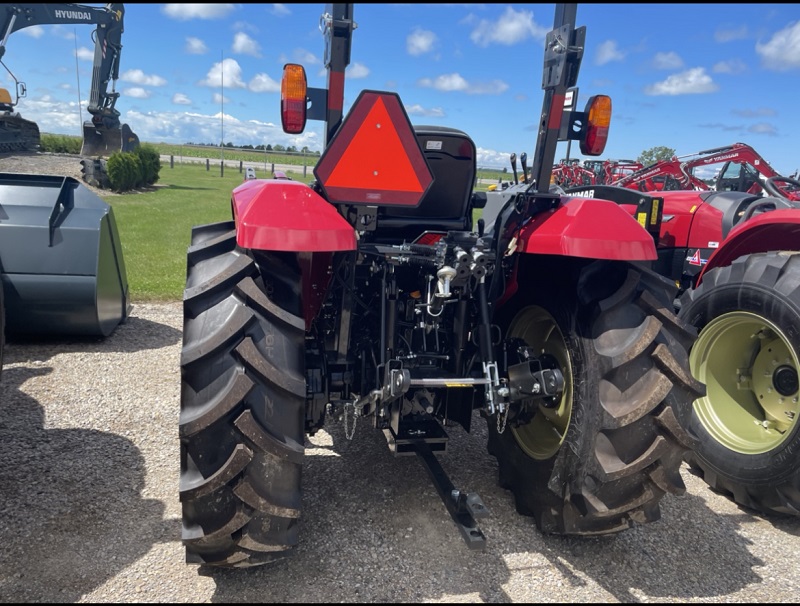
(221,99)
(84,54)
(782,52)
(418,110)
(137,76)
(225,73)
(608,52)
(762,128)
(357,70)
(732,66)
(301,56)
(136,92)
(185,127)
(753,113)
(492,158)
(262,83)
(511,28)
(195,46)
(420,41)
(34,31)
(245,45)
(731,33)
(446,82)
(692,81)
(181,99)
(184,12)
(280,10)
(670,60)
(456,82)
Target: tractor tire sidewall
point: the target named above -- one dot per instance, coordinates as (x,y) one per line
(609,473)
(242,406)
(749,285)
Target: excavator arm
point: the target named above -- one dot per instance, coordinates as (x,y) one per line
(104,134)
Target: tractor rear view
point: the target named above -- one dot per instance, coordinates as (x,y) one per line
(371,297)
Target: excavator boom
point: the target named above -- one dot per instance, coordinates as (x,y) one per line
(103,134)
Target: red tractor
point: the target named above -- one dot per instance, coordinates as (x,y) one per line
(370,296)
(736,258)
(743,169)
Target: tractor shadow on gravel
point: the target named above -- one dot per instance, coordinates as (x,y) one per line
(374,530)
(783,523)
(71,512)
(135,334)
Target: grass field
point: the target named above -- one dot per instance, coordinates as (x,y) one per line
(155,227)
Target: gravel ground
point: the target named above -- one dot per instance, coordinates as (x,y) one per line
(90,511)
(89,508)
(67,165)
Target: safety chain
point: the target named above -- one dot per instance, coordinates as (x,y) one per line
(502,418)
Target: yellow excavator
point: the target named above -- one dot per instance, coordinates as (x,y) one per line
(16,133)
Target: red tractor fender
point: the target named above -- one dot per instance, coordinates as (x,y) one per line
(774,230)
(279,214)
(590,228)
(285,215)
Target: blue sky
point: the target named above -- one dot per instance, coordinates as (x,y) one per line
(685,76)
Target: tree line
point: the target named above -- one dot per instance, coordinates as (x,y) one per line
(290,149)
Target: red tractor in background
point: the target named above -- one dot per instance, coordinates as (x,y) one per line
(570,173)
(736,258)
(573,173)
(372,297)
(743,169)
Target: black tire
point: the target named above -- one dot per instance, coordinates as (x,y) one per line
(600,461)
(242,404)
(748,430)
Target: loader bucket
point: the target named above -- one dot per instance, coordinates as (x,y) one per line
(102,141)
(62,267)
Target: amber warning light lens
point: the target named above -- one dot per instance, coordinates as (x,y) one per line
(598,119)
(293,99)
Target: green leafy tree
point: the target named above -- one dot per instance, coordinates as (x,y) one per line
(654,154)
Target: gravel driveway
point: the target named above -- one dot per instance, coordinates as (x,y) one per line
(89,509)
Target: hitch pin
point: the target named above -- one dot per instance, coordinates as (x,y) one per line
(493,379)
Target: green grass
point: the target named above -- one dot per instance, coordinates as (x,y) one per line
(155,227)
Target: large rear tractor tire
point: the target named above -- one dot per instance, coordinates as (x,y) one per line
(747,352)
(242,403)
(599,459)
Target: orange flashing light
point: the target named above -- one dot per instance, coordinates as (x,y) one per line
(598,120)
(294,90)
